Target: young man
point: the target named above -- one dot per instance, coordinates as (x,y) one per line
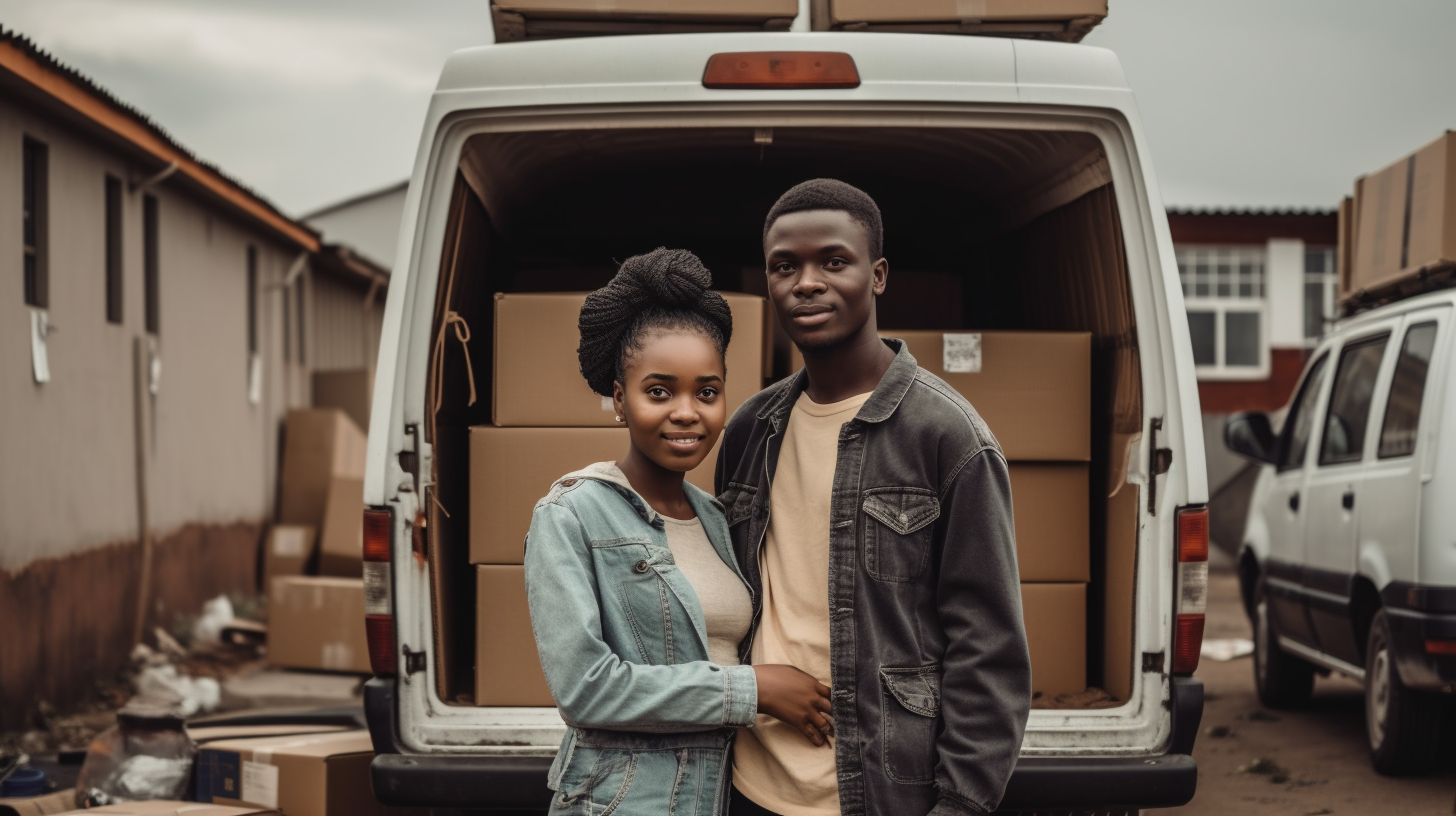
(870,508)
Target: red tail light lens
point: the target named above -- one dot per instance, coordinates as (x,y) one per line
(1441,647)
(747,70)
(380,631)
(1192,588)
(377,524)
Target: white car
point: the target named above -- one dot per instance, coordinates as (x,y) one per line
(1348,562)
(1016,179)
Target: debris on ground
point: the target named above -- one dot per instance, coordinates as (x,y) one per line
(1260,715)
(1278,774)
(1226,649)
(1219,731)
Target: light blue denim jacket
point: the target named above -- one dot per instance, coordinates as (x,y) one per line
(625,651)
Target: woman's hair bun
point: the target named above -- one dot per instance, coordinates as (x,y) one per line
(662,287)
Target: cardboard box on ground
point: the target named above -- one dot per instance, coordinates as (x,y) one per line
(321,485)
(300,775)
(1404,221)
(288,550)
(166,808)
(317,623)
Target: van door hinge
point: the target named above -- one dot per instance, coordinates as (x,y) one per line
(409,460)
(414,662)
(1160,460)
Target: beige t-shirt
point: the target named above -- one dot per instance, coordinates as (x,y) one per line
(727,609)
(774,764)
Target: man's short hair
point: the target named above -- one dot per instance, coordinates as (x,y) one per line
(832,194)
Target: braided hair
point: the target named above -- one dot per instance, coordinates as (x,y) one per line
(662,290)
(832,194)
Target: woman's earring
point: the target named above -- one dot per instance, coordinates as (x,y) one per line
(619,418)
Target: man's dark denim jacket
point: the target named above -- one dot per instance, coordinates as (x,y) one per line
(931,677)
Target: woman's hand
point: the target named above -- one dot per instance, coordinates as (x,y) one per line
(796,698)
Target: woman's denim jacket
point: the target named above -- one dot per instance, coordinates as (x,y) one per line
(625,651)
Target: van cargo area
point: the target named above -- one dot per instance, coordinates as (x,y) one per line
(1005,229)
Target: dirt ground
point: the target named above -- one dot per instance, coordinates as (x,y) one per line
(1311,762)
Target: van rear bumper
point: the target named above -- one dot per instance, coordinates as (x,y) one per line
(1411,629)
(1043,784)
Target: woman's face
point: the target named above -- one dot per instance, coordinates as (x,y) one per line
(672,399)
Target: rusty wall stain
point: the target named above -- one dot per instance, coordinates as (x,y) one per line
(69,620)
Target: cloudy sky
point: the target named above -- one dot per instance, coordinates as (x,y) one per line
(1247,103)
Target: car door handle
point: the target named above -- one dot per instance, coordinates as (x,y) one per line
(1294,501)
(1348,500)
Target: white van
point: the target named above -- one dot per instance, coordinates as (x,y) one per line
(1347,563)
(1015,180)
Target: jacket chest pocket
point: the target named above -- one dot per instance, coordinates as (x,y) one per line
(647,617)
(737,502)
(897,530)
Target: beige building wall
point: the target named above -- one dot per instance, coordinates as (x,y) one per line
(69,445)
(346,327)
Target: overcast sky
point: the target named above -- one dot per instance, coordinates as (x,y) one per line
(1247,103)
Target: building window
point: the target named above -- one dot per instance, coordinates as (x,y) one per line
(113,249)
(252,300)
(1319,291)
(1224,291)
(35,183)
(150,273)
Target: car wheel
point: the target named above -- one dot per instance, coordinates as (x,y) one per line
(1404,726)
(1282,680)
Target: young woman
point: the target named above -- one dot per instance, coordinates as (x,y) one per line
(641,616)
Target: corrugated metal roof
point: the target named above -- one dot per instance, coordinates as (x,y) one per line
(46,61)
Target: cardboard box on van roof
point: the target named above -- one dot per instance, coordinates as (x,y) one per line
(317,623)
(512,468)
(1033,389)
(929,11)
(507,665)
(301,775)
(537,381)
(1405,218)
(319,444)
(667,10)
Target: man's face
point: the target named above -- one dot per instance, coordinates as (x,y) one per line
(821,277)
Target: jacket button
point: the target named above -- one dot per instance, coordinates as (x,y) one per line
(567,482)
(641,566)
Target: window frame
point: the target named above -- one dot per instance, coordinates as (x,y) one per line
(1328,281)
(1286,434)
(1221,305)
(1389,390)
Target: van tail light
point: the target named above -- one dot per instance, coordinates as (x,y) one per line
(1441,647)
(1192,588)
(784,70)
(378,601)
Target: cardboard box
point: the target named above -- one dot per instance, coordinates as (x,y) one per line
(1050,508)
(1056,633)
(1405,218)
(537,381)
(1034,389)
(666,10)
(934,11)
(287,550)
(161,807)
(58,803)
(512,468)
(341,539)
(317,623)
(507,666)
(350,391)
(319,444)
(204,733)
(310,775)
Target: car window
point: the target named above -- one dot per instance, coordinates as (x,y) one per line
(1301,417)
(1407,387)
(1345,421)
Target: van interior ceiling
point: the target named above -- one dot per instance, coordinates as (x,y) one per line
(994,229)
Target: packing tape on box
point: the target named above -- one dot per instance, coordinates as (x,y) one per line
(971,9)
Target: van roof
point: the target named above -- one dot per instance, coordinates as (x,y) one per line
(887,62)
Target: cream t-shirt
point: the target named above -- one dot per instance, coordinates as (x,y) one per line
(727,609)
(773,763)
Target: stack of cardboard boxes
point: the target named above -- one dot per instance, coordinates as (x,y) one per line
(1398,232)
(313,558)
(546,422)
(1033,389)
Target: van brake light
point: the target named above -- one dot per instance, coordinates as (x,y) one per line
(378,601)
(785,70)
(1192,588)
